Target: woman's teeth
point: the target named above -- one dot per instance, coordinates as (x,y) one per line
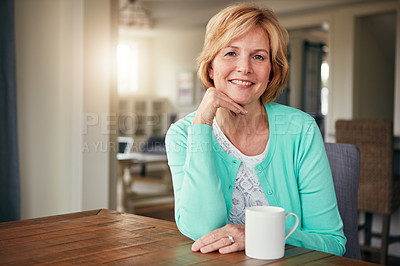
(241,82)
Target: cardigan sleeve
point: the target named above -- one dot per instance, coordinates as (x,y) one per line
(199,201)
(321,227)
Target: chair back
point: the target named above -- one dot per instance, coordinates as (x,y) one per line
(378,192)
(344,160)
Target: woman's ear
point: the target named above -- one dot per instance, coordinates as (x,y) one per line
(210,72)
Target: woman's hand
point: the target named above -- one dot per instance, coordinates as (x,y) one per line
(219,240)
(212,100)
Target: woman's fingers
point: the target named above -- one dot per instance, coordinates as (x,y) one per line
(207,239)
(231,248)
(232,106)
(222,100)
(212,237)
(212,100)
(223,242)
(219,240)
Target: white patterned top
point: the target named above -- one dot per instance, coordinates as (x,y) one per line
(247,190)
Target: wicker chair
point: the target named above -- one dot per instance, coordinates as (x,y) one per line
(378,192)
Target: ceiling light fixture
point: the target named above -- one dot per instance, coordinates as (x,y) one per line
(132,14)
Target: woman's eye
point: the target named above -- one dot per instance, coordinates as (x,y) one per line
(230,54)
(259,57)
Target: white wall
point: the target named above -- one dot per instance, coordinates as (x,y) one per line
(63,73)
(96,104)
(374,66)
(175,51)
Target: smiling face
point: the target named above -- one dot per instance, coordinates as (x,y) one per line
(242,69)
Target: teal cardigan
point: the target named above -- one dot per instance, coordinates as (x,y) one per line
(294,175)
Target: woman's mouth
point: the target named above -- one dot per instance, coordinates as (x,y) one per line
(241,82)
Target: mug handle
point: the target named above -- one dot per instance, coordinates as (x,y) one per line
(295,224)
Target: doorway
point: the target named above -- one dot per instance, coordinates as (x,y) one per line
(374,66)
(307,88)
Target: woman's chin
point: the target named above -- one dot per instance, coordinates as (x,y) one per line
(239,99)
(243,102)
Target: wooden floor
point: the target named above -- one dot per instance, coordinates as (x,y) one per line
(373,257)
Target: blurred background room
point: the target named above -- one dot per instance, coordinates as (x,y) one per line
(98,83)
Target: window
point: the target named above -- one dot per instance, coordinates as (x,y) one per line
(324,90)
(127,68)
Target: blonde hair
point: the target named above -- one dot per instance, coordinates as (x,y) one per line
(232,22)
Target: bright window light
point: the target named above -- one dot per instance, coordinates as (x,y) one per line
(127,57)
(324,72)
(324,90)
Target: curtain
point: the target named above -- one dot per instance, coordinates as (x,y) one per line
(9,161)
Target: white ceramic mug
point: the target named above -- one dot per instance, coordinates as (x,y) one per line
(265,232)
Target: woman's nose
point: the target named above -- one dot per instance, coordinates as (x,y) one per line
(243,65)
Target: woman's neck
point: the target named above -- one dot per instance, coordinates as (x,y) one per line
(238,126)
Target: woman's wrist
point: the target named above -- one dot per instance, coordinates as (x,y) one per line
(205,117)
(199,120)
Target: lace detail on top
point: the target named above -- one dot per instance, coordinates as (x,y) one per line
(247,190)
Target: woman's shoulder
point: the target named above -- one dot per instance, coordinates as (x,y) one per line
(181,125)
(280,111)
(288,118)
(277,108)
(181,129)
(184,121)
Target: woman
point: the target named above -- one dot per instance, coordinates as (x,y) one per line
(240,149)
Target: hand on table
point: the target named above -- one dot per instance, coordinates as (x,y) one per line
(212,100)
(219,240)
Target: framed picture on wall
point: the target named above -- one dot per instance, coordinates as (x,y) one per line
(186,87)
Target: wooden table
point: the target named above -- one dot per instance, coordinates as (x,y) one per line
(110,237)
